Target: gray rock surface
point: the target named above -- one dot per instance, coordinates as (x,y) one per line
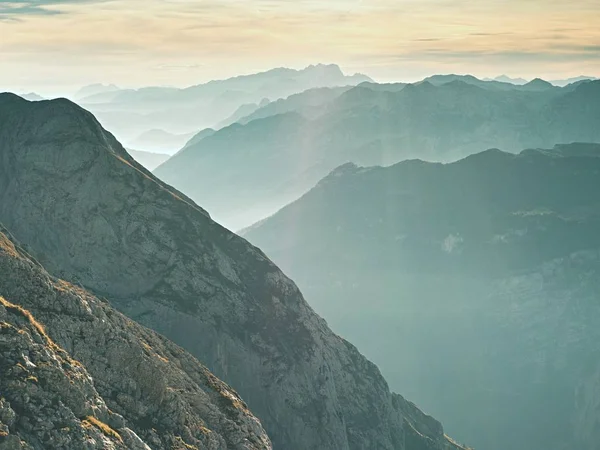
(68,358)
(92,215)
(47,399)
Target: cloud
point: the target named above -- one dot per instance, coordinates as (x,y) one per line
(177,67)
(15,8)
(188,41)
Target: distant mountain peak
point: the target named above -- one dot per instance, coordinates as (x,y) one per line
(348,167)
(507,79)
(421,85)
(94,89)
(489,155)
(538,83)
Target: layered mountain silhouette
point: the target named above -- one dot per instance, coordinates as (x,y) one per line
(131,112)
(572,80)
(32,96)
(507,79)
(75,373)
(309,103)
(245,172)
(243,111)
(94,217)
(473,285)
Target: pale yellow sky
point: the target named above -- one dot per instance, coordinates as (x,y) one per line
(54,46)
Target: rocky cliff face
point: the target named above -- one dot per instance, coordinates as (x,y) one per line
(48,399)
(93,216)
(77,374)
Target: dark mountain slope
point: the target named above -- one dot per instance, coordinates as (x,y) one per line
(92,215)
(480,278)
(241,172)
(77,374)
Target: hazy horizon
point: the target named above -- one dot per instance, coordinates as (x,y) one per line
(53,47)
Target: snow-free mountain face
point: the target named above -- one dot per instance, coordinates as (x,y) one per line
(89,213)
(474,285)
(130,112)
(246,172)
(75,374)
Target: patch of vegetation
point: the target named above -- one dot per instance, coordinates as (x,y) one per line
(8,246)
(91,421)
(34,323)
(150,350)
(185,445)
(16,309)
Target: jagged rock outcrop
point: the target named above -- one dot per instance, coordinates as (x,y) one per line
(47,399)
(90,214)
(74,369)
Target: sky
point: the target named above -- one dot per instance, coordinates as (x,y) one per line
(54,46)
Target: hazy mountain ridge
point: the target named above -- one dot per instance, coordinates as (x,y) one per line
(127,387)
(308,104)
(243,111)
(160,259)
(501,84)
(560,83)
(129,112)
(567,81)
(507,79)
(32,97)
(97,89)
(493,259)
(372,127)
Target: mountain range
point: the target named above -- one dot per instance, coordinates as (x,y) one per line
(129,113)
(247,171)
(473,285)
(90,215)
(522,81)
